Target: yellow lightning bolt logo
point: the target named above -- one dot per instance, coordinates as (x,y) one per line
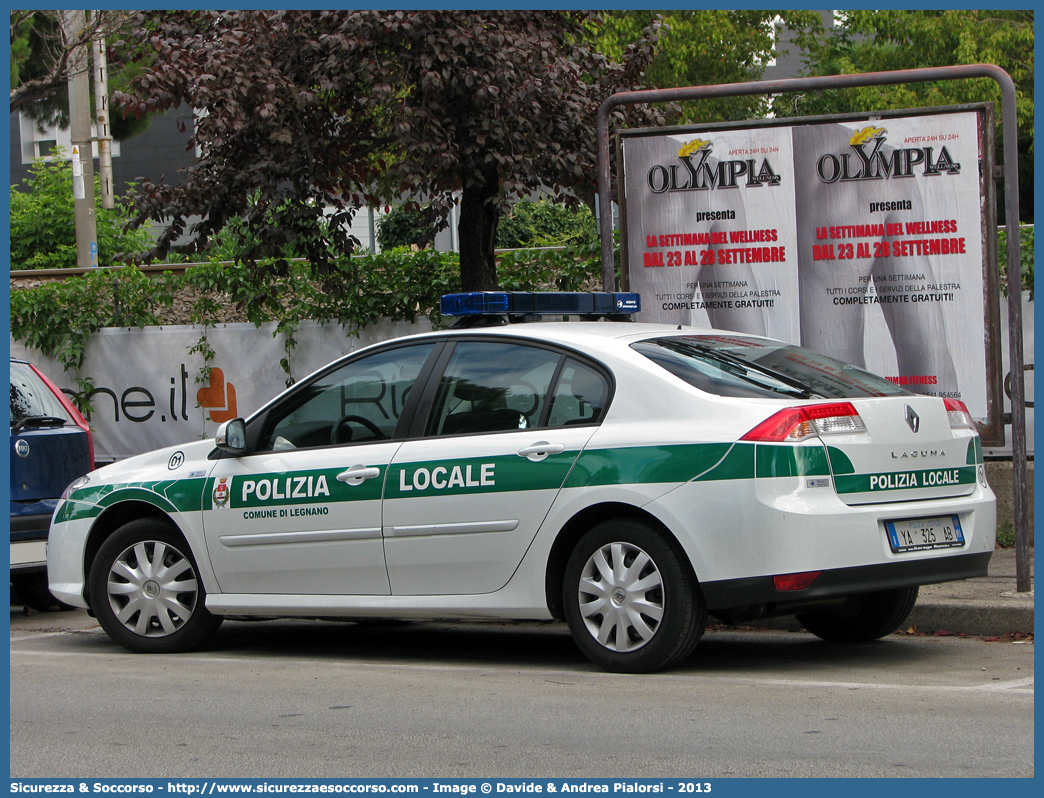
(693,146)
(866,134)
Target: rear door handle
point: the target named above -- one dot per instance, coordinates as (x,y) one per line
(358,474)
(540,450)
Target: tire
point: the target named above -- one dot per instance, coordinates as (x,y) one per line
(865,617)
(146,592)
(32,590)
(622,570)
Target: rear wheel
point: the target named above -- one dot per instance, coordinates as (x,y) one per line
(631,601)
(866,616)
(146,592)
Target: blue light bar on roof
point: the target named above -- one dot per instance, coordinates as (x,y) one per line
(525,303)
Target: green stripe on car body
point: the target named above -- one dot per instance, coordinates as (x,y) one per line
(792,461)
(738,463)
(172,495)
(76,511)
(975,451)
(319,486)
(495,474)
(648,464)
(618,466)
(678,463)
(903,480)
(839,461)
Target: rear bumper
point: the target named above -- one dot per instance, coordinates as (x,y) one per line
(759,590)
(28,555)
(30,527)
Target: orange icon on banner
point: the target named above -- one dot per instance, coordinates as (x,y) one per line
(219,398)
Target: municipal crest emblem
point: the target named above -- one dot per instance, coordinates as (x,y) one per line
(221,492)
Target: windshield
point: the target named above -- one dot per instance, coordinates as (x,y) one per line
(729,365)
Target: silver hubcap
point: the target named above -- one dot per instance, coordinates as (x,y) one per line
(621,597)
(152,589)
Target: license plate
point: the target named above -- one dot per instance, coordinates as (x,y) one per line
(924,534)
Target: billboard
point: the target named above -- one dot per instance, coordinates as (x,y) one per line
(858,237)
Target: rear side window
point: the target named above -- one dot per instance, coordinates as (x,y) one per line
(31,398)
(500,387)
(759,367)
(493,387)
(580,395)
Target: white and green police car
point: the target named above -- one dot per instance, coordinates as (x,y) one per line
(629,478)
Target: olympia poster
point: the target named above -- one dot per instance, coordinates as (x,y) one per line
(861,239)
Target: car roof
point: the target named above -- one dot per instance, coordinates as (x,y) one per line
(592,337)
(598,335)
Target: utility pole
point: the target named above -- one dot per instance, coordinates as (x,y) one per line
(82,154)
(101,115)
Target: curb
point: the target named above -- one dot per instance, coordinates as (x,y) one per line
(987,617)
(980,617)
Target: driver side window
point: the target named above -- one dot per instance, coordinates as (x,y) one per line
(359,402)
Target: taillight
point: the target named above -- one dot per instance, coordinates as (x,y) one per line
(798,423)
(958,414)
(801,581)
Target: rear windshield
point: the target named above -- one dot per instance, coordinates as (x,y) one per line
(31,398)
(758,367)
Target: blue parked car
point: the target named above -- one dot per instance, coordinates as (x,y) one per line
(51,446)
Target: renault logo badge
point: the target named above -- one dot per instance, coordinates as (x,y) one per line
(912,419)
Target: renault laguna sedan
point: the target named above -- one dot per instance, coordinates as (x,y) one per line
(631,479)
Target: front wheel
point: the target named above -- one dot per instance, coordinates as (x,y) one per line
(631,600)
(146,592)
(865,617)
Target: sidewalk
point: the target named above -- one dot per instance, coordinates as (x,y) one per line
(988,605)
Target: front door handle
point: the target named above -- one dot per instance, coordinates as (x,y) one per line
(540,450)
(358,474)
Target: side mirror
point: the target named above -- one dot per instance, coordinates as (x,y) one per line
(231,436)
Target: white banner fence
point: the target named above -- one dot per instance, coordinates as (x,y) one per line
(147,388)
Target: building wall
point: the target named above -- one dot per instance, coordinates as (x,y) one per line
(158,152)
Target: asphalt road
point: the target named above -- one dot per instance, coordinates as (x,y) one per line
(319,699)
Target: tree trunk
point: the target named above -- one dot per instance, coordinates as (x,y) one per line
(477,231)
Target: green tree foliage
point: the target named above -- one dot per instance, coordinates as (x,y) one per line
(1025,257)
(43,228)
(306,110)
(877,41)
(21,47)
(41,58)
(529,223)
(708,47)
(542,223)
(405,226)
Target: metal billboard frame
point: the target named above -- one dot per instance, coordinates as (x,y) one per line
(1009,173)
